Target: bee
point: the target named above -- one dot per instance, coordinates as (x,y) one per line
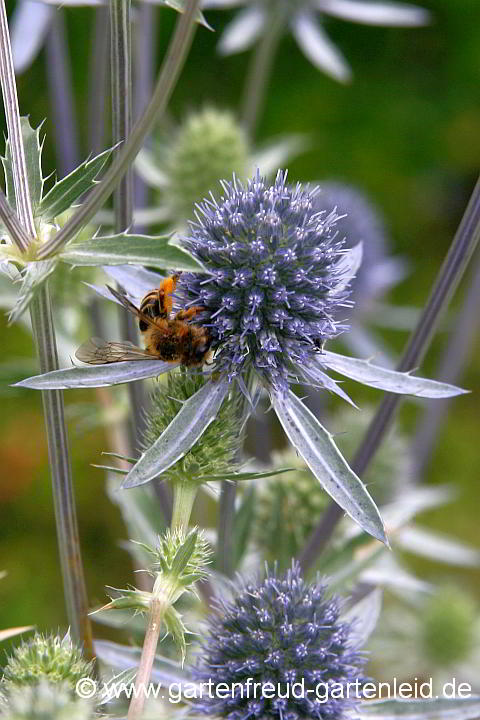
(171,338)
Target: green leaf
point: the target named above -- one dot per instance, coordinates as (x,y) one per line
(176,628)
(315,444)
(179,6)
(365,372)
(155,251)
(186,428)
(33,159)
(70,188)
(34,276)
(429,709)
(97,376)
(184,553)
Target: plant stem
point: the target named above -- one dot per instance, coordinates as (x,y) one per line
(226,517)
(169,73)
(44,332)
(61,472)
(155,616)
(184,494)
(145,31)
(450,274)
(121,84)
(260,69)
(62,103)
(14,131)
(450,371)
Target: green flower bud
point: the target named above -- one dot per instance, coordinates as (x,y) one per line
(289,506)
(448,619)
(208,146)
(46,657)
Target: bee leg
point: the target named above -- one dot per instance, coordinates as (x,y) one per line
(165,291)
(188,314)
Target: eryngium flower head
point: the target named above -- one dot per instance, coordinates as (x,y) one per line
(209,145)
(49,657)
(277,278)
(279,631)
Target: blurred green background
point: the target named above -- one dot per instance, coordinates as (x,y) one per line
(406,130)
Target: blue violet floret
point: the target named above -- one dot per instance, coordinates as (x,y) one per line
(277,278)
(280,631)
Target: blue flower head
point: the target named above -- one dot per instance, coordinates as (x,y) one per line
(277,278)
(280,631)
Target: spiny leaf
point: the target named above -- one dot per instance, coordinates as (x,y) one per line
(186,428)
(155,251)
(34,276)
(402,383)
(33,158)
(315,444)
(97,376)
(69,189)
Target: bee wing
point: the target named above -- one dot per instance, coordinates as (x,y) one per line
(100,352)
(121,297)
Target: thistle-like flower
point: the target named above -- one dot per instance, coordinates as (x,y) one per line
(278,279)
(279,631)
(274,286)
(207,146)
(55,659)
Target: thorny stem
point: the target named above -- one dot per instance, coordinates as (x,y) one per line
(449,370)
(61,471)
(184,495)
(44,332)
(450,274)
(155,617)
(169,73)
(62,103)
(121,84)
(14,130)
(226,517)
(260,69)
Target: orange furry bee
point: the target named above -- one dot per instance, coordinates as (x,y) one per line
(168,338)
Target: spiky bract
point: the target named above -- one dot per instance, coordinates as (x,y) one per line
(218,448)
